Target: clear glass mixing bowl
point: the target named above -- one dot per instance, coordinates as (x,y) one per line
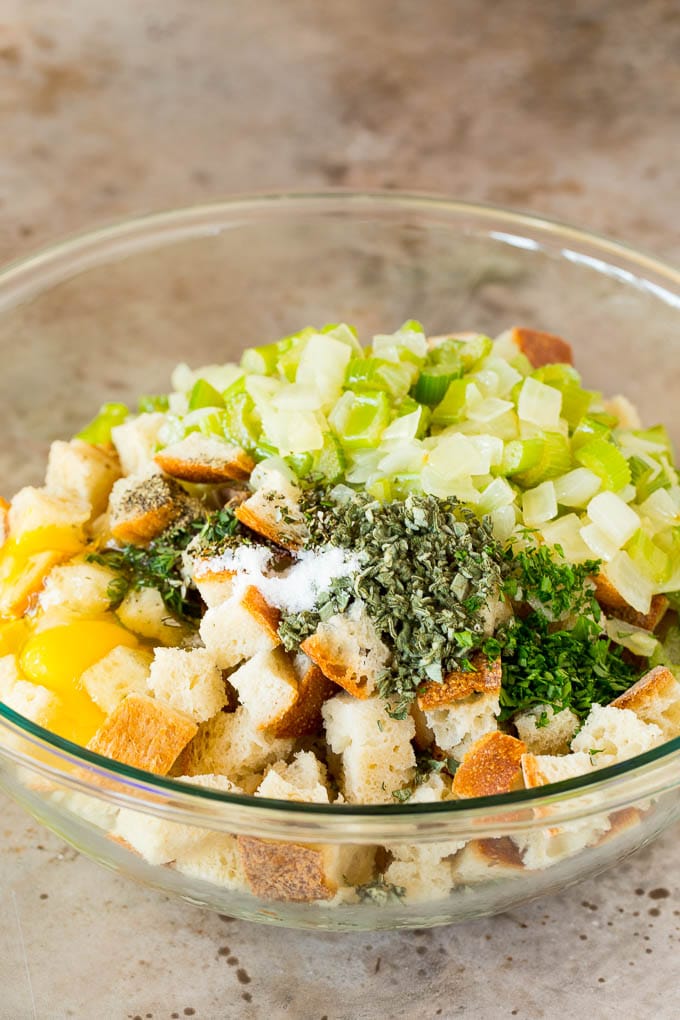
(108,314)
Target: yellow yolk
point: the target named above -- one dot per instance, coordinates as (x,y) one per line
(13,636)
(57,658)
(25,562)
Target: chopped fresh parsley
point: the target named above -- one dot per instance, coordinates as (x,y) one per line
(540,573)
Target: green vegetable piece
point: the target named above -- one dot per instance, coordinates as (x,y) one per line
(408,406)
(652,561)
(522,454)
(668,651)
(433,382)
(360,423)
(150,403)
(555,461)
(565,378)
(590,427)
(204,394)
(366,374)
(606,461)
(451,408)
(261,360)
(98,432)
(330,461)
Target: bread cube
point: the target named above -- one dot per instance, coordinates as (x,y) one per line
(205,460)
(83,471)
(348,650)
(240,628)
(231,744)
(145,613)
(136,442)
(303,718)
(159,841)
(418,883)
(275,514)
(189,681)
(491,766)
(614,603)
(144,733)
(123,671)
(612,734)
(267,686)
(214,586)
(486,860)
(33,701)
(305,779)
(655,699)
(143,506)
(215,860)
(298,873)
(376,752)
(541,348)
(552,738)
(32,509)
(78,587)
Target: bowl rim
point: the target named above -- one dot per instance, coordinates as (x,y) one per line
(60,260)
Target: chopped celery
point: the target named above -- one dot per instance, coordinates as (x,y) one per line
(359,419)
(301,463)
(657,436)
(451,408)
(521,454)
(204,394)
(261,360)
(473,350)
(668,652)
(290,351)
(240,420)
(98,432)
(590,427)
(646,475)
(555,461)
(323,365)
(649,558)
(380,489)
(378,374)
(408,407)
(575,399)
(606,461)
(433,383)
(329,461)
(153,402)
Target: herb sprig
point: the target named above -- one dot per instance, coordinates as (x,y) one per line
(160,564)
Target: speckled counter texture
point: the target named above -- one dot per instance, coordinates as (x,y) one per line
(566,109)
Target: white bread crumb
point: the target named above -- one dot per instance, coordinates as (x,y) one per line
(457,727)
(232,633)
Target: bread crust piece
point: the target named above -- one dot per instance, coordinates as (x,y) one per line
(300,873)
(205,460)
(484,678)
(275,516)
(304,717)
(141,508)
(541,348)
(144,733)
(655,698)
(348,650)
(610,599)
(492,765)
(485,859)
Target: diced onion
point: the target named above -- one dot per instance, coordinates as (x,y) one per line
(599,543)
(629,581)
(613,517)
(539,404)
(539,505)
(576,487)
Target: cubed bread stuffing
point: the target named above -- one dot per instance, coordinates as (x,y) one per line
(190,681)
(123,671)
(348,650)
(82,471)
(240,628)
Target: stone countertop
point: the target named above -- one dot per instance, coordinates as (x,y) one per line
(566,110)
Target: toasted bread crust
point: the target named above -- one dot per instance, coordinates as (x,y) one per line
(338,672)
(144,733)
(542,348)
(492,765)
(304,717)
(288,872)
(267,616)
(183,461)
(484,678)
(269,529)
(659,683)
(140,512)
(610,599)
(500,851)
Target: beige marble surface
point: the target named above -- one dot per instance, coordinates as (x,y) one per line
(570,110)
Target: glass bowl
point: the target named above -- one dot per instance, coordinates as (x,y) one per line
(108,314)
